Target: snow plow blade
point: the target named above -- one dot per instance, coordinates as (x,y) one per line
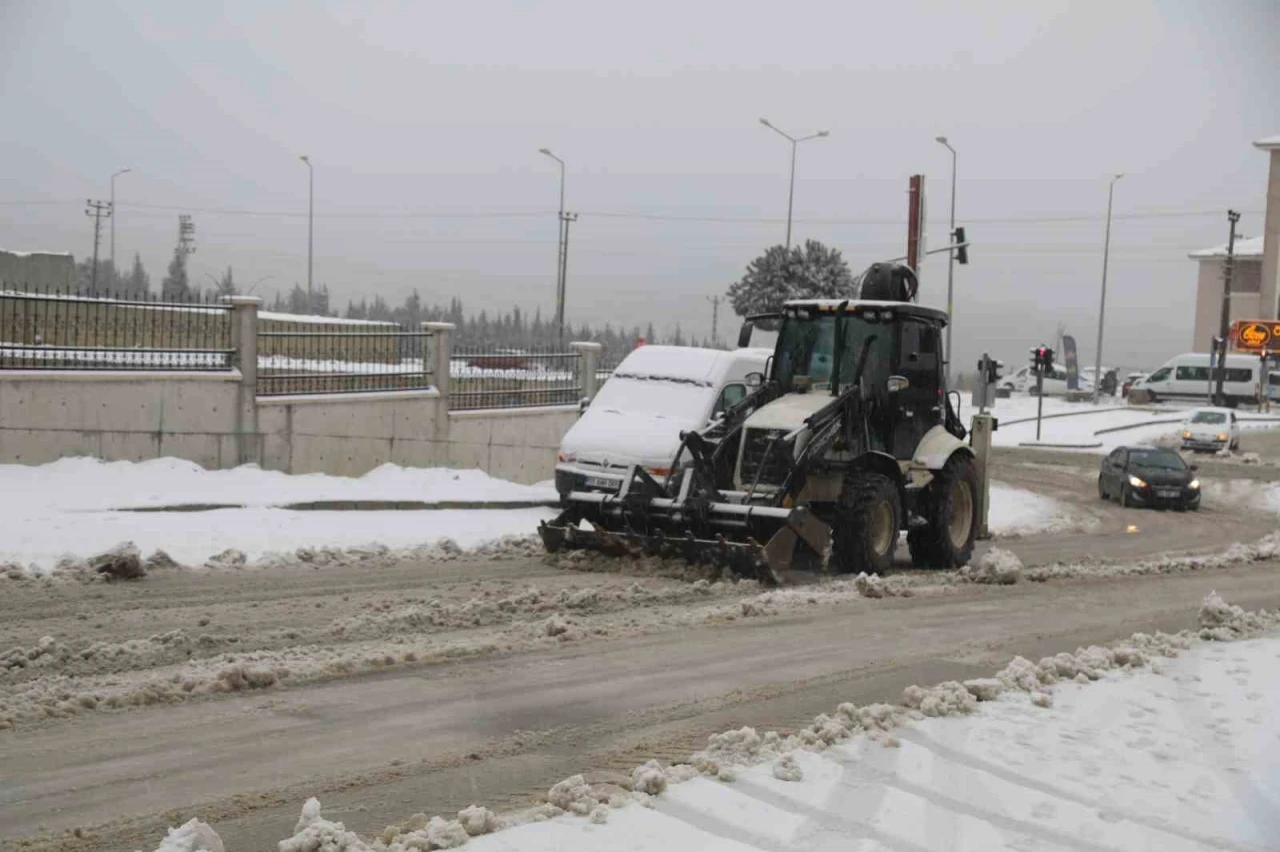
(725,535)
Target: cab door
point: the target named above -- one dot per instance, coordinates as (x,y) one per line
(918,408)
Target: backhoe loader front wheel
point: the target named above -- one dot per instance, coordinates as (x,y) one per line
(950,511)
(865,529)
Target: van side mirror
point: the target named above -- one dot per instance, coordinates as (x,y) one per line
(753,380)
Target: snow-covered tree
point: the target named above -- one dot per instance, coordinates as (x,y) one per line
(811,271)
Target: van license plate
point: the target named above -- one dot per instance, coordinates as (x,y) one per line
(602,482)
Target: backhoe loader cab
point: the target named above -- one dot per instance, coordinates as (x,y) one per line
(848,440)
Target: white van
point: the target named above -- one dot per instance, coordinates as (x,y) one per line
(1055,381)
(1187,377)
(636,418)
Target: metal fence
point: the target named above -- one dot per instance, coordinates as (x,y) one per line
(491,377)
(70,330)
(341,358)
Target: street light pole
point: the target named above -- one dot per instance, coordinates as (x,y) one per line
(951,255)
(791,191)
(113,218)
(311,215)
(1102,304)
(562,247)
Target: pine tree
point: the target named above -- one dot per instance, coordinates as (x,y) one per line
(139,282)
(812,271)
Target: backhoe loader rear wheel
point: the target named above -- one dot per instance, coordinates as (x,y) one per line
(950,510)
(865,529)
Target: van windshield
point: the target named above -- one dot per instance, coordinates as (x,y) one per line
(656,396)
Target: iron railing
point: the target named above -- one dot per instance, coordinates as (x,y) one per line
(492,377)
(341,357)
(70,330)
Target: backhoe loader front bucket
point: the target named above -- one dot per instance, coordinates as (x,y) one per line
(723,533)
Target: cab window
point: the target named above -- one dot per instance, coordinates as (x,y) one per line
(1160,375)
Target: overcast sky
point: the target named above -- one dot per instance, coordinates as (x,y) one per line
(424,121)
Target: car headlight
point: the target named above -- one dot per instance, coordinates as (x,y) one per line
(1194,485)
(1136,482)
(1186,433)
(1222,436)
(567,457)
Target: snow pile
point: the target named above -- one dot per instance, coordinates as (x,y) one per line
(996,566)
(192,836)
(1225,622)
(64,511)
(1015,512)
(875,586)
(1263,550)
(785,768)
(314,833)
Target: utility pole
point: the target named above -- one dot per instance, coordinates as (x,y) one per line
(715,319)
(96,210)
(566,220)
(113,218)
(311,218)
(1228,269)
(951,255)
(1102,303)
(561,240)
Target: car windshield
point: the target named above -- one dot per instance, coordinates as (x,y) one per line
(806,347)
(1209,417)
(1166,459)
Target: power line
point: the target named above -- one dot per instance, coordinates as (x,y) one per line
(656,217)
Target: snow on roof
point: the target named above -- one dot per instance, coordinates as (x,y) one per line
(16,253)
(685,363)
(1271,143)
(1246,249)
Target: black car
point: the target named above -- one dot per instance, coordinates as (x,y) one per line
(1149,476)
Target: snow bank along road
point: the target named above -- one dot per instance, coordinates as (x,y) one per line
(399,688)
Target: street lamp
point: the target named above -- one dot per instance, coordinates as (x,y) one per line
(791,192)
(113,216)
(311,197)
(951,255)
(1102,304)
(562,249)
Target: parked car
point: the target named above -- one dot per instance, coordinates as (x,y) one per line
(1149,476)
(1129,382)
(637,416)
(1211,430)
(1023,380)
(1188,377)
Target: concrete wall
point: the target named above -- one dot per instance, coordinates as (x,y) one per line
(518,444)
(349,434)
(45,415)
(217,419)
(37,269)
(1245,302)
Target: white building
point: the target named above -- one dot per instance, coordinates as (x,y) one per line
(1255,286)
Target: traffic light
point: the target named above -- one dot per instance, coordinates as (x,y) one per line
(993,370)
(962,252)
(1042,358)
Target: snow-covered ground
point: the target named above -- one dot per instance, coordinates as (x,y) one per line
(1083,425)
(1157,742)
(65,509)
(68,509)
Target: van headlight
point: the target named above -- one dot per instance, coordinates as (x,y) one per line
(1194,485)
(1186,433)
(568,458)
(1136,482)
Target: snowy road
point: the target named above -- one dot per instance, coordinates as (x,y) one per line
(498,726)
